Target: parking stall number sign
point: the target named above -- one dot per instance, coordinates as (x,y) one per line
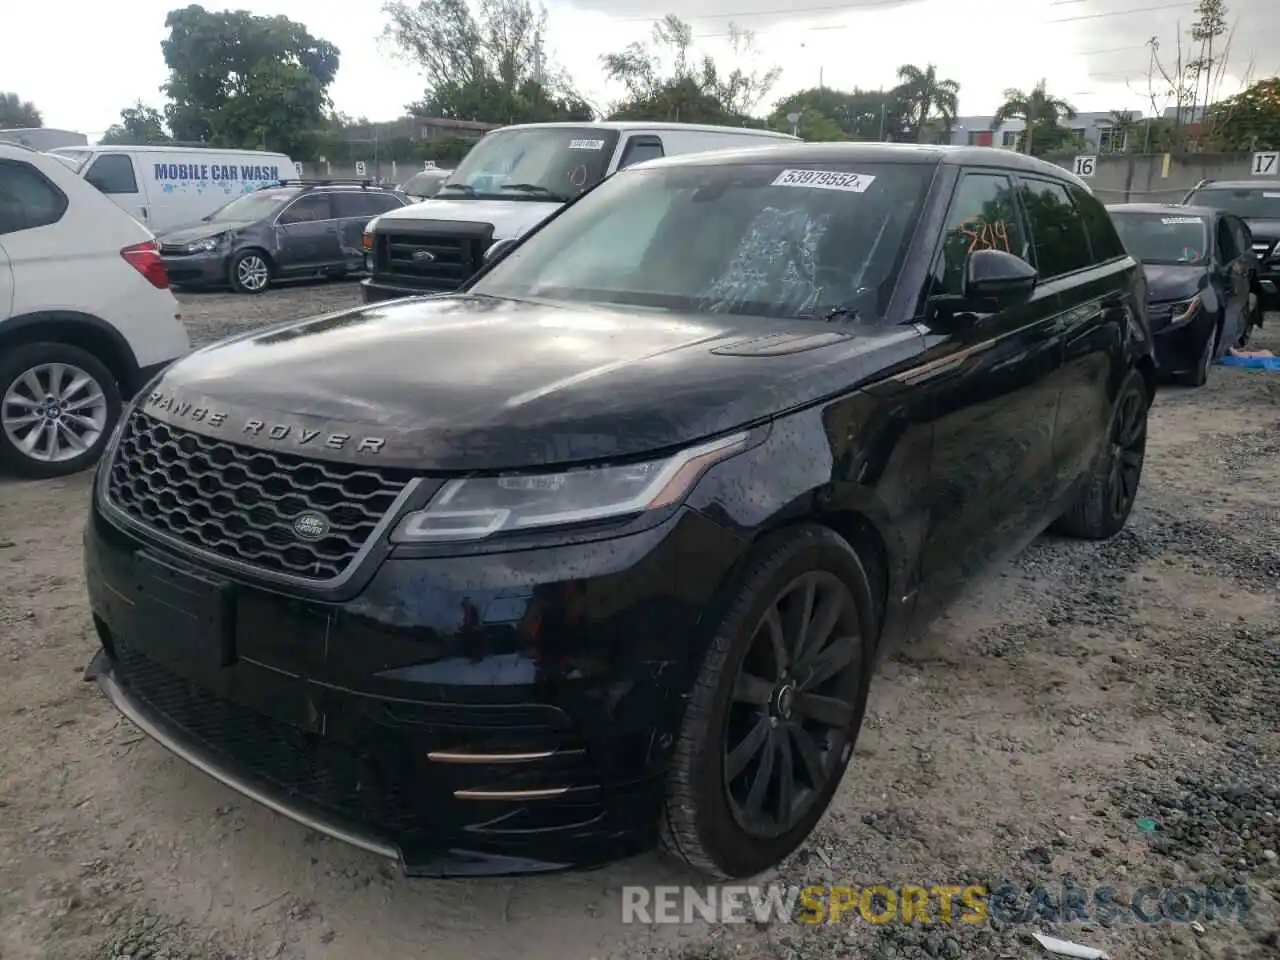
(1085,166)
(360,168)
(1266,164)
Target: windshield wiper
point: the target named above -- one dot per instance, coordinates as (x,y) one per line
(842,313)
(537,188)
(466,188)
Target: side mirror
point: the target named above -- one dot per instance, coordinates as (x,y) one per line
(497,249)
(997,279)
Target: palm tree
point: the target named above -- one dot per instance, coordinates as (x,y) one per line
(1036,107)
(16,113)
(924,94)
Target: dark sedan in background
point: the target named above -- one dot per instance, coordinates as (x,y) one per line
(1201,281)
(301,228)
(1257,203)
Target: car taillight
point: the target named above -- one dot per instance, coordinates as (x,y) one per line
(145,258)
(367,239)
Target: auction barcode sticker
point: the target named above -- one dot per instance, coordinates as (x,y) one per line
(824,180)
(1169,220)
(1271,196)
(586,144)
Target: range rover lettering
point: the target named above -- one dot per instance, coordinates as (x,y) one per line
(655,492)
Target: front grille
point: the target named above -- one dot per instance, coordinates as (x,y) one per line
(432,262)
(173,249)
(241,503)
(346,780)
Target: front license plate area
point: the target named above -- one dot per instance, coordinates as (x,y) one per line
(182,617)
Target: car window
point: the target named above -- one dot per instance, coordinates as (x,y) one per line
(1228,249)
(1260,202)
(1103,239)
(1243,235)
(113,173)
(759,239)
(27,198)
(307,208)
(984,216)
(1165,237)
(640,149)
(358,203)
(424,184)
(1058,234)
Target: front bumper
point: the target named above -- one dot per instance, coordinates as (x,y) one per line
(197,269)
(475,715)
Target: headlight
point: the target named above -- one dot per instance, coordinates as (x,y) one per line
(205,245)
(1185,311)
(482,507)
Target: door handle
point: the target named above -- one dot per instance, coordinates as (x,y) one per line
(145,215)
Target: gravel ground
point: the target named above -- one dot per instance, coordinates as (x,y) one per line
(1097,715)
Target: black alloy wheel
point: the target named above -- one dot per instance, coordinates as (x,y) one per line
(773,715)
(1103,506)
(793,703)
(1128,451)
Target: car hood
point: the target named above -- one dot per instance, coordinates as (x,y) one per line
(477,383)
(510,218)
(1172,281)
(199,231)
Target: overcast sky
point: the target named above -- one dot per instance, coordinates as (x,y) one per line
(81,63)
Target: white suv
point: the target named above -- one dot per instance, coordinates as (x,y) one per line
(86,315)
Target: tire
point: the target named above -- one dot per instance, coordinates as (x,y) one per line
(702,823)
(250,272)
(1199,375)
(89,395)
(1101,511)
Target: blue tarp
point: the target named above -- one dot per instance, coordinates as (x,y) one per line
(1255,363)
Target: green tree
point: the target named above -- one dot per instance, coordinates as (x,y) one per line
(1250,120)
(490,66)
(18,114)
(923,96)
(139,124)
(1209,27)
(238,80)
(664,80)
(1042,113)
(856,114)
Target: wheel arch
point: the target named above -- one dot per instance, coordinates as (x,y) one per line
(77,329)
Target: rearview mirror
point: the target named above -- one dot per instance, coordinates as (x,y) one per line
(497,249)
(997,278)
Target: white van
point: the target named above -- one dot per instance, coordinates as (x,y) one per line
(511,181)
(167,187)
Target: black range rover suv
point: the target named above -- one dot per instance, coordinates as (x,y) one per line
(603,549)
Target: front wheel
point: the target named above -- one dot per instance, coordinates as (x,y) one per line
(1103,506)
(772,720)
(250,272)
(1199,374)
(58,406)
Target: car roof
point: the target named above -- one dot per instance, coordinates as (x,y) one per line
(1254,184)
(842,152)
(626,125)
(1168,209)
(165,148)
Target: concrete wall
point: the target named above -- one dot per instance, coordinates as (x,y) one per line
(1121,178)
(1127,178)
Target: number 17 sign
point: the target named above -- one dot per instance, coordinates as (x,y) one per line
(1266,164)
